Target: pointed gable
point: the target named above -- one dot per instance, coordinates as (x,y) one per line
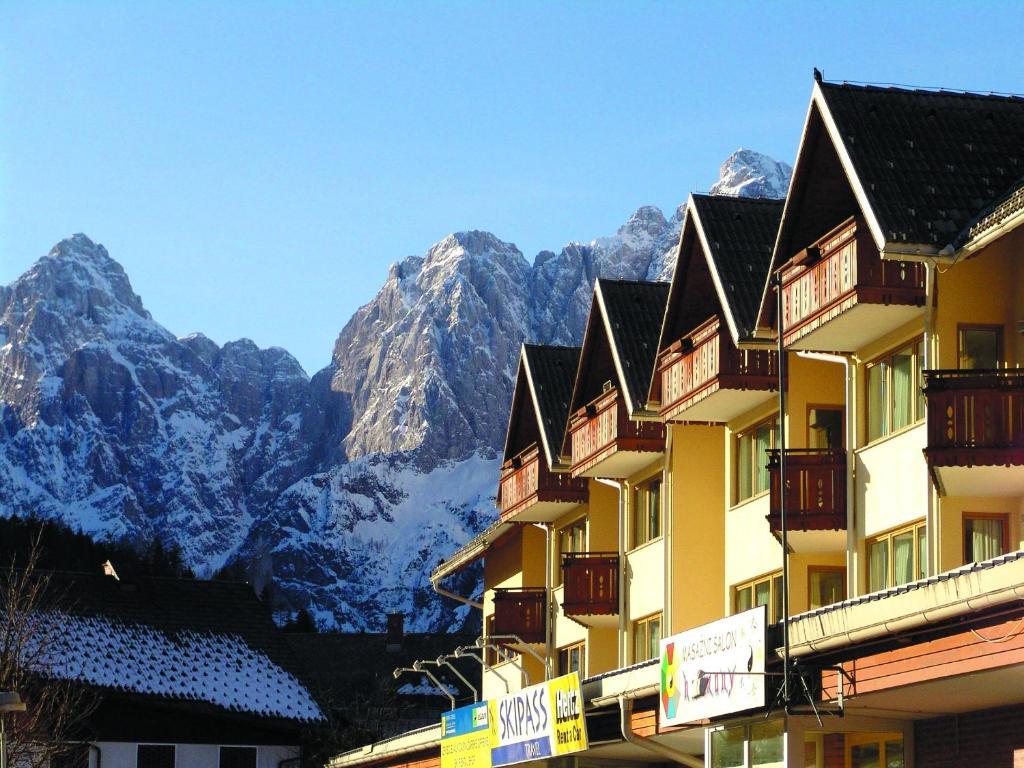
(540,400)
(620,342)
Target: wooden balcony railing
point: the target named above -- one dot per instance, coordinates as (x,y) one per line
(591,581)
(840,270)
(815,490)
(975,418)
(705,361)
(526,480)
(603,427)
(521,612)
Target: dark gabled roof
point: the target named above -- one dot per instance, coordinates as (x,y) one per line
(551,371)
(211,642)
(631,312)
(739,233)
(922,164)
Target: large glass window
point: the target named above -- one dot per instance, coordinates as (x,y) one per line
(647,638)
(874,751)
(238,757)
(825,586)
(766,742)
(647,512)
(894,391)
(727,747)
(572,658)
(752,448)
(980,346)
(766,590)
(572,538)
(985,536)
(897,557)
(154,756)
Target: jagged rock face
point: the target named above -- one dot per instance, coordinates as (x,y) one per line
(747,173)
(348,487)
(115,426)
(441,336)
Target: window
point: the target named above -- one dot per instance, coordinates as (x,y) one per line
(752,448)
(572,538)
(766,590)
(874,750)
(980,346)
(572,658)
(897,557)
(647,638)
(985,536)
(895,398)
(766,742)
(825,586)
(825,428)
(647,512)
(238,757)
(727,747)
(154,756)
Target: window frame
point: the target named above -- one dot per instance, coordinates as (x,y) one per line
(1003,517)
(999,329)
(880,738)
(919,529)
(581,647)
(772,422)
(642,490)
(583,523)
(918,407)
(771,578)
(644,623)
(812,569)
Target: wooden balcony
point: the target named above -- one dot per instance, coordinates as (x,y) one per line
(520,612)
(591,587)
(815,497)
(976,431)
(839,295)
(607,443)
(530,492)
(704,377)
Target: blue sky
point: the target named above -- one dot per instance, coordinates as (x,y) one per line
(256,166)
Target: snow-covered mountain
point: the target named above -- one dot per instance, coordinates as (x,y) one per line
(347,487)
(747,173)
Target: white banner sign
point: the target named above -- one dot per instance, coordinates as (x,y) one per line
(713,670)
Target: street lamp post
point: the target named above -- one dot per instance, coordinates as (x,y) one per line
(10,701)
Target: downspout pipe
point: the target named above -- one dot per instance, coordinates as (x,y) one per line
(932,521)
(850,441)
(621,488)
(668,513)
(683,758)
(549,602)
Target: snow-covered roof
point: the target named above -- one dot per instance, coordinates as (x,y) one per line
(180,639)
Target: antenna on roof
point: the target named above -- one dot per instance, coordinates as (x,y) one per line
(818,75)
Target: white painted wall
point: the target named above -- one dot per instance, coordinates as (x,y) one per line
(120,754)
(892,481)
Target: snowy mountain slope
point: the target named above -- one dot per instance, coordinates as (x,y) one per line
(747,173)
(347,487)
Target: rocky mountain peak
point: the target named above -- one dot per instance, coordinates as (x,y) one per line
(647,219)
(747,173)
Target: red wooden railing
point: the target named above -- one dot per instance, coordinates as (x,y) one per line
(591,581)
(815,490)
(526,480)
(842,269)
(975,418)
(603,426)
(707,360)
(521,612)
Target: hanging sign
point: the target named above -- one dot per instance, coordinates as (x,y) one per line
(538,722)
(465,737)
(713,670)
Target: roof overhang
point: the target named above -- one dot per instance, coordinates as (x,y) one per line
(471,551)
(410,742)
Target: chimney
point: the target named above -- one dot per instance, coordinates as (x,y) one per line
(396,632)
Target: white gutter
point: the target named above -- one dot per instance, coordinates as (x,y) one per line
(960,593)
(850,439)
(421,739)
(684,758)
